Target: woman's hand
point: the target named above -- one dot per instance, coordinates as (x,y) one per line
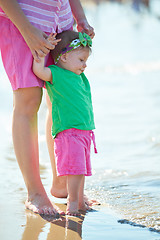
(79,15)
(38,42)
(83,26)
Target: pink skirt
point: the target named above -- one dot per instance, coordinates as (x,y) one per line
(17,57)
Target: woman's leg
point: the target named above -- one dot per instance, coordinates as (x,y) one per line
(25,140)
(59,187)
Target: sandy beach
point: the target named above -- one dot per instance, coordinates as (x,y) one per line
(124,72)
(102,223)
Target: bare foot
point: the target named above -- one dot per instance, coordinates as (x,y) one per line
(91,202)
(42,205)
(72,208)
(59,189)
(84,207)
(58,192)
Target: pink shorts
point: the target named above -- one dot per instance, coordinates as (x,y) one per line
(16,56)
(72,152)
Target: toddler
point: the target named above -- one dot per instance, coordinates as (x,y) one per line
(72,112)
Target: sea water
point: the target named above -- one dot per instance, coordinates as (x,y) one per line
(124,72)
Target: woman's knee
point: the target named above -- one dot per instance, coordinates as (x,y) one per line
(27,101)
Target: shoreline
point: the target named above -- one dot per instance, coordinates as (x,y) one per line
(101,223)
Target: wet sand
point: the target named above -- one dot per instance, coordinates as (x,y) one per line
(101,223)
(20,224)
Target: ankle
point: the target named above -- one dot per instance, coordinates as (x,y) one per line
(72,199)
(72,205)
(36,194)
(59,182)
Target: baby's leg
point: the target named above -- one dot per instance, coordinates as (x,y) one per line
(59,185)
(73,184)
(83,206)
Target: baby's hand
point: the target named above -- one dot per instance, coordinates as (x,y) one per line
(52,39)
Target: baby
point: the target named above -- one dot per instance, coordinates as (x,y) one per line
(72,112)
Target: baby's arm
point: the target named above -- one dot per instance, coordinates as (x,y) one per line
(41,71)
(39,68)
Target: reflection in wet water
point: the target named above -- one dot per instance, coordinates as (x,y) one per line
(43,227)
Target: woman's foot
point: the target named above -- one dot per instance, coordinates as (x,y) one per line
(41,204)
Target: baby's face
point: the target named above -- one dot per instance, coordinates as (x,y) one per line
(76,60)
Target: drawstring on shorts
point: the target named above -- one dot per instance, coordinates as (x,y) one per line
(94,142)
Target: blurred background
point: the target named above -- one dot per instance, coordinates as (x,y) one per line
(124,72)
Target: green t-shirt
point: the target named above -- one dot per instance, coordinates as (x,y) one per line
(71,101)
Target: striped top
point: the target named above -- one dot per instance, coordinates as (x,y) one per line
(47,15)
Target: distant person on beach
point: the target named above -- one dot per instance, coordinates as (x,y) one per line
(137,3)
(72,112)
(25,26)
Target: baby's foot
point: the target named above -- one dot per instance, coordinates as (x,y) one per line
(72,208)
(42,205)
(84,207)
(91,202)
